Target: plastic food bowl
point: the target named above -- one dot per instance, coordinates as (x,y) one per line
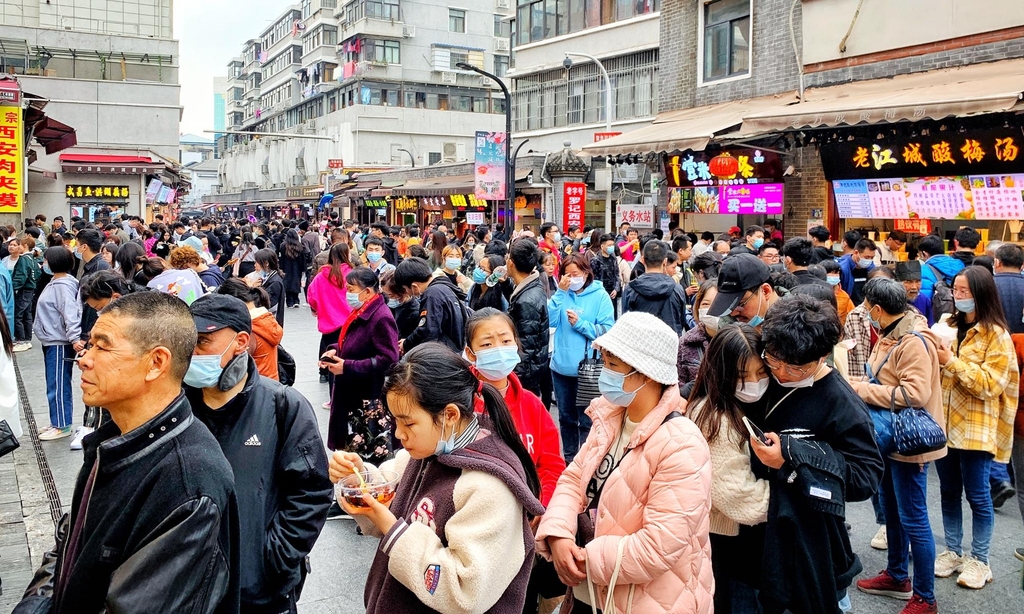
(381,485)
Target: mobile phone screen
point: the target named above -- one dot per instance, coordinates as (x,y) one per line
(755,432)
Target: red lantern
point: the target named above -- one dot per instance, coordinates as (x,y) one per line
(724,165)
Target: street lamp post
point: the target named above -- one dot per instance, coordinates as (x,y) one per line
(510,163)
(411,157)
(609,110)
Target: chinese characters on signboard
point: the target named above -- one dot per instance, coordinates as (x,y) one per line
(943,153)
(489,166)
(12,153)
(639,215)
(462,201)
(752,199)
(693,169)
(574,201)
(405,204)
(96,191)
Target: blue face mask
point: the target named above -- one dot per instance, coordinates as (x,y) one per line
(757,320)
(833,280)
(373,257)
(610,384)
(758,243)
(610,250)
(964,305)
(394,303)
(78,254)
(352,298)
(206,372)
(495,364)
(864,263)
(46,269)
(479,275)
(453,263)
(263,274)
(445,446)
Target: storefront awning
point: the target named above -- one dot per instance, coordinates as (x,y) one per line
(54,136)
(685,129)
(106,164)
(361,189)
(438,186)
(950,92)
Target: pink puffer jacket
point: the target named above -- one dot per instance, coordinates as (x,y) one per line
(658,501)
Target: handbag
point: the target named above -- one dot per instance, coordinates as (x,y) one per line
(587,375)
(914,430)
(285,366)
(8,442)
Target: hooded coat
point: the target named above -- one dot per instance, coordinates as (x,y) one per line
(946,265)
(442,316)
(658,295)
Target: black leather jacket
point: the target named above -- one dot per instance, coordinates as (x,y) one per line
(159,527)
(529,311)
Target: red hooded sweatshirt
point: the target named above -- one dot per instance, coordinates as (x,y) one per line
(538,433)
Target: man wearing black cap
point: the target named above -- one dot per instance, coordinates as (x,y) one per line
(909,274)
(744,294)
(268,433)
(59,227)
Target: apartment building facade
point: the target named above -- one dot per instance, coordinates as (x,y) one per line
(110,71)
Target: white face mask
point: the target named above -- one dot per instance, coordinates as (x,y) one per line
(710,322)
(748,392)
(807,382)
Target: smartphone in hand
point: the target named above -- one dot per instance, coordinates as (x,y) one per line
(756,433)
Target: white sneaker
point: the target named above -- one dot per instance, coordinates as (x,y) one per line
(975,574)
(881,539)
(21,346)
(44,430)
(76,443)
(326,405)
(948,563)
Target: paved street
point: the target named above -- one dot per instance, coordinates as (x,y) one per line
(341,559)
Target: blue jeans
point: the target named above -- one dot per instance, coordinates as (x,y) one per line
(573,423)
(905,488)
(966,471)
(999,473)
(58,383)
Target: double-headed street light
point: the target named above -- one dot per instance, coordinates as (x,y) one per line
(510,163)
(609,111)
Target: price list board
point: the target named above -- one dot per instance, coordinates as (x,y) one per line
(987,197)
(852,198)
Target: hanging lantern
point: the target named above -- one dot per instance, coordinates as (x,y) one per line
(724,165)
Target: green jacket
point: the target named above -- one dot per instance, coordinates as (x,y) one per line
(25,273)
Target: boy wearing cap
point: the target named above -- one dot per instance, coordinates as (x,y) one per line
(744,294)
(268,433)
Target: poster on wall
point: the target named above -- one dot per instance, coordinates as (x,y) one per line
(489,166)
(970,197)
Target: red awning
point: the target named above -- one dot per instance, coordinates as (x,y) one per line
(54,135)
(106,164)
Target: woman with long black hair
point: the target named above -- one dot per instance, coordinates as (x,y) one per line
(295,259)
(456,537)
(268,276)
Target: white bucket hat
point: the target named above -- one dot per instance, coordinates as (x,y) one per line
(645,343)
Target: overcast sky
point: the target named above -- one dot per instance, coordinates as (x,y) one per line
(211,32)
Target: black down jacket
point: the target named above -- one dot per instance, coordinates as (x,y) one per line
(529,311)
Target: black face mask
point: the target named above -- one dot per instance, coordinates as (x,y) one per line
(234,372)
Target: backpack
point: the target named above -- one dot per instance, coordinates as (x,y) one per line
(285,367)
(942,297)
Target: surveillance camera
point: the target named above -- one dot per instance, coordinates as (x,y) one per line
(789,171)
(567,62)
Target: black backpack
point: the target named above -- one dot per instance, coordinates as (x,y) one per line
(942,297)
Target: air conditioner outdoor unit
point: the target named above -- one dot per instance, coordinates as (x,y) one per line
(501,44)
(460,152)
(449,151)
(311,125)
(408,31)
(501,4)
(300,129)
(486,82)
(449,77)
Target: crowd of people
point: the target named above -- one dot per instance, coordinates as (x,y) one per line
(720,400)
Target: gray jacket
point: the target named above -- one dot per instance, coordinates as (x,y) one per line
(59,313)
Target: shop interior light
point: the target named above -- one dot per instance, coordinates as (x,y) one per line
(962,129)
(925,132)
(943,128)
(880,136)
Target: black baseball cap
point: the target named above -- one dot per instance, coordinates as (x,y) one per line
(739,274)
(213,312)
(909,270)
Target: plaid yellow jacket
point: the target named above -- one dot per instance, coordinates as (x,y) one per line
(980,390)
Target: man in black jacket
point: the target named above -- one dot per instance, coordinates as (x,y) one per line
(528,309)
(382,231)
(268,433)
(655,292)
(153,525)
(443,313)
(797,254)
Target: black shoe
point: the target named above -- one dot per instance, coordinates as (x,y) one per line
(323,378)
(1002,493)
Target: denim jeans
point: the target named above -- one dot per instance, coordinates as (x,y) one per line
(573,423)
(878,504)
(22,326)
(58,383)
(905,488)
(999,473)
(966,471)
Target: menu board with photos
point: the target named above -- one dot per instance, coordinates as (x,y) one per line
(754,199)
(982,197)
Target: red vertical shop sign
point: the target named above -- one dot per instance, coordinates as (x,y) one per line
(574,198)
